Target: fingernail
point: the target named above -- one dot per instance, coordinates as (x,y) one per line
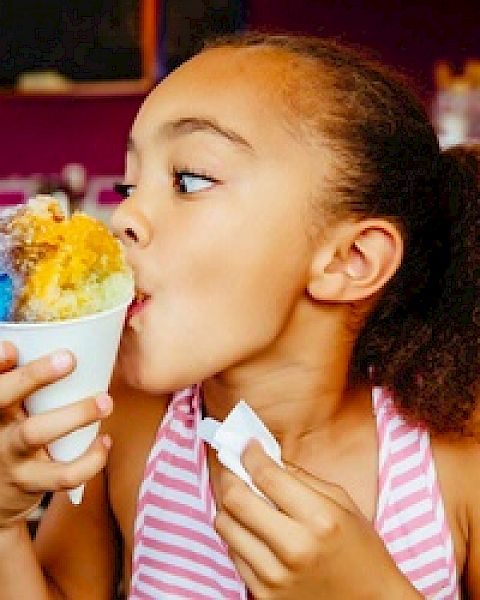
(104,403)
(107,441)
(61,361)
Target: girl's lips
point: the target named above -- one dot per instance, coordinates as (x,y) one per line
(137,304)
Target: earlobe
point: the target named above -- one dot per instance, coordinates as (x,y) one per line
(365,258)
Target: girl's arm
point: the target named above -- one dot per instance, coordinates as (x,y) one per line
(20,573)
(76,545)
(74,556)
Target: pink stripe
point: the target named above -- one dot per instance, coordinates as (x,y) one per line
(400,431)
(383,421)
(168,588)
(411,473)
(173,506)
(188,554)
(396,506)
(189,575)
(152,459)
(136,594)
(184,532)
(403,454)
(177,484)
(412,524)
(398,480)
(165,456)
(412,550)
(179,440)
(428,569)
(439,586)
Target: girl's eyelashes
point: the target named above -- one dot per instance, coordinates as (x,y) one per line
(125,190)
(189,182)
(185,181)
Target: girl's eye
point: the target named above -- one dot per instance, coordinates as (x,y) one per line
(187,182)
(125,190)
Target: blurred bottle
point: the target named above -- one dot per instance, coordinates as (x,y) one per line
(451,112)
(472,73)
(74,178)
(51,186)
(68,188)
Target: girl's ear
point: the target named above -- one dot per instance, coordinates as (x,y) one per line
(357,262)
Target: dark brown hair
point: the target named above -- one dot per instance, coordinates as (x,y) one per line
(422,338)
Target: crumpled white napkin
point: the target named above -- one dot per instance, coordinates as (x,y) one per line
(230,438)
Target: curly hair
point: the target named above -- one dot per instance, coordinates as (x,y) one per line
(422,337)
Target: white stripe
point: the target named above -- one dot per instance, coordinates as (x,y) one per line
(407,439)
(389,495)
(184,582)
(436,576)
(405,489)
(177,496)
(413,537)
(183,520)
(185,433)
(178,473)
(409,462)
(152,534)
(227,582)
(428,556)
(404,516)
(179,451)
(449,592)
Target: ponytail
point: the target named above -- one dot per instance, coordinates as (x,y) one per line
(427,349)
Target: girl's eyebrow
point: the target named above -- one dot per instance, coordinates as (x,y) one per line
(188,125)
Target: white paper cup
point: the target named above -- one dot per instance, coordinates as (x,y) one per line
(94,340)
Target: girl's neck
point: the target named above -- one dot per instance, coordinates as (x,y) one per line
(298,386)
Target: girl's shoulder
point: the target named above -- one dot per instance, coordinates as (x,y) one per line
(457,463)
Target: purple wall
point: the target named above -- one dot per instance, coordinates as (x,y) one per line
(408,34)
(42,134)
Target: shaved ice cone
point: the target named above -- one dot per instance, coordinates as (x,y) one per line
(64,284)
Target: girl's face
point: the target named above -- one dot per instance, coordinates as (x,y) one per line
(216,224)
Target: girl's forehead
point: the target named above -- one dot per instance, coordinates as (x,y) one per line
(244,90)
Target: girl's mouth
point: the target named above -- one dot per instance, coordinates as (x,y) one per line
(138,304)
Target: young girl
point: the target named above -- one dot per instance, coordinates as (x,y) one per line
(300,242)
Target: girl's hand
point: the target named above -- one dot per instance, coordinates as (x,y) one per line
(26,471)
(315,545)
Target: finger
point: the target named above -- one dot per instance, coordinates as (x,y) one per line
(262,563)
(287,539)
(19,383)
(254,585)
(8,356)
(289,494)
(39,430)
(36,476)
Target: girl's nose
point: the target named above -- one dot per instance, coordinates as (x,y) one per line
(130,225)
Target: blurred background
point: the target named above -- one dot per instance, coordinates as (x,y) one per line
(73,73)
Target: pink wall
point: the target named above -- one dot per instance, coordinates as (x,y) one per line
(42,134)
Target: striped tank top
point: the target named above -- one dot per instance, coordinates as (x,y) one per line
(177,553)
